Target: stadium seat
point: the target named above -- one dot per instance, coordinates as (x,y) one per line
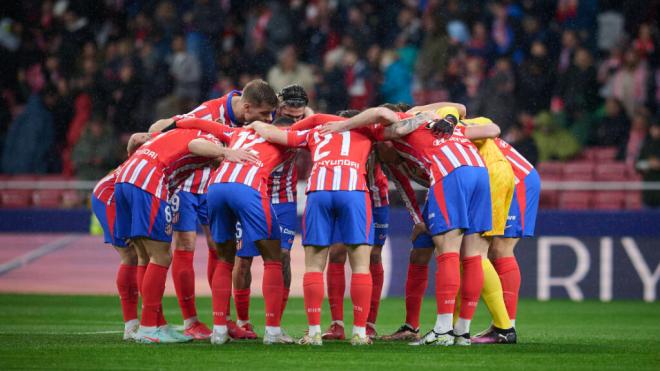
(612,171)
(575,200)
(549,199)
(551,170)
(601,154)
(15,198)
(634,200)
(610,200)
(48,198)
(71,198)
(578,171)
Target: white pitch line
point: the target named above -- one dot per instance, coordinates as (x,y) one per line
(62,333)
(37,253)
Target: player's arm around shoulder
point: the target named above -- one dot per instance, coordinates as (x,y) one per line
(270,132)
(481,128)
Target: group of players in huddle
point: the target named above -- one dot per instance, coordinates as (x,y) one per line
(230,165)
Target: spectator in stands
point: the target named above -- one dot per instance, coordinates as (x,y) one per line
(397,80)
(578,86)
(124,100)
(629,84)
(519,137)
(569,44)
(649,164)
(552,140)
(535,84)
(289,71)
(613,128)
(497,95)
(31,136)
(432,58)
(638,132)
(186,71)
(95,151)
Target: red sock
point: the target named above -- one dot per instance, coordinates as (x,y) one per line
(285,300)
(447,281)
(242,301)
(141,269)
(313,292)
(472,279)
(377,277)
(272,286)
(336,288)
(153,288)
(183,276)
(509,272)
(128,292)
(210,265)
(221,291)
(361,287)
(418,279)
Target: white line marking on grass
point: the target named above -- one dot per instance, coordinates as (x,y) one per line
(62,333)
(37,253)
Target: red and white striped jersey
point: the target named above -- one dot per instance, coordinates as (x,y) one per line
(400,178)
(163,163)
(256,176)
(218,110)
(283,180)
(440,155)
(339,159)
(104,190)
(377,182)
(521,167)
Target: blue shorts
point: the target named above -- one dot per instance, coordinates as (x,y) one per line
(381,217)
(106,216)
(287,217)
(141,214)
(188,209)
(521,221)
(347,213)
(460,200)
(230,203)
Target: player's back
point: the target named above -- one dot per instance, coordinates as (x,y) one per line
(218,109)
(519,164)
(441,155)
(487,147)
(162,163)
(254,175)
(339,159)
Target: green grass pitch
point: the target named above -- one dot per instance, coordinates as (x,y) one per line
(82,332)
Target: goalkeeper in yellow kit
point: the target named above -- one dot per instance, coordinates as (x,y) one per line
(502,185)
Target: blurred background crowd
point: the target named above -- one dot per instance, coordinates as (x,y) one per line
(559,76)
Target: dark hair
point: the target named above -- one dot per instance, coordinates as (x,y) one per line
(293,95)
(283,121)
(391,106)
(258,92)
(347,113)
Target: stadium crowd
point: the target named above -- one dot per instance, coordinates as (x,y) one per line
(560,76)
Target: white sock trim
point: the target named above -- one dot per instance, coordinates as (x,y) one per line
(220,329)
(273,330)
(240,322)
(360,331)
(443,323)
(315,329)
(339,322)
(188,322)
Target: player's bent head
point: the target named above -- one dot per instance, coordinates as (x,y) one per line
(392,107)
(292,102)
(259,101)
(347,113)
(283,121)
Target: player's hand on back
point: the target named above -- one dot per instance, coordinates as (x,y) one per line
(418,229)
(332,127)
(241,156)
